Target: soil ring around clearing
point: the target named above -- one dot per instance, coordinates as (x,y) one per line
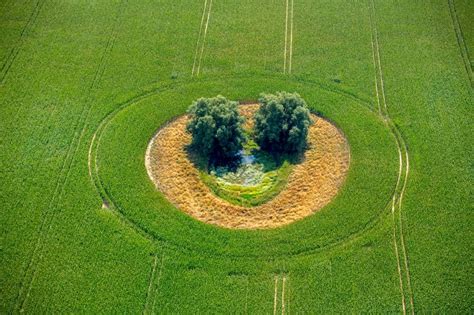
(313,183)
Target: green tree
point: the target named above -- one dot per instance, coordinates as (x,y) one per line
(216,128)
(282,122)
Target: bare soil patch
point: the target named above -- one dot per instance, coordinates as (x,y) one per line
(312,184)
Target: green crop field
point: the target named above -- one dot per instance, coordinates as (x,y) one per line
(85,84)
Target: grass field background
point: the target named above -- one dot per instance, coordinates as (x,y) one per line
(67,66)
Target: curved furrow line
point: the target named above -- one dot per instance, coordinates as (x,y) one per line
(94,142)
(402,260)
(400,223)
(109,201)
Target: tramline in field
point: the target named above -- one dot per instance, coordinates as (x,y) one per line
(350,193)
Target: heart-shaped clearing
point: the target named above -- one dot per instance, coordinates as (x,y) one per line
(311,185)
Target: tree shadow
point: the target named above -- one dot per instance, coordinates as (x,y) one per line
(270,160)
(274,160)
(205,164)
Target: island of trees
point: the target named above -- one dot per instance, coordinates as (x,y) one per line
(280,126)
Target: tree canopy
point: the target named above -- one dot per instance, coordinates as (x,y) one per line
(216,128)
(282,122)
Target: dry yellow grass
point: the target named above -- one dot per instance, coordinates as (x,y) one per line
(312,184)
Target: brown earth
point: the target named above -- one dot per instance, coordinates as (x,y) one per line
(312,184)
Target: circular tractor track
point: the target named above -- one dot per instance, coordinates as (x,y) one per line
(150,232)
